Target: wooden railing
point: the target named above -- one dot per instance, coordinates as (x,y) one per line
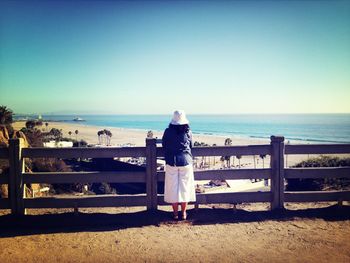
(321,172)
(17,177)
(231,174)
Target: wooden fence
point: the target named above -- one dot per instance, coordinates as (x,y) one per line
(17,177)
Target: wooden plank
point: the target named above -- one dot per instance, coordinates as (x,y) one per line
(4,179)
(316,196)
(84,177)
(76,152)
(16,186)
(88,201)
(319,172)
(5,203)
(4,153)
(13,156)
(161,176)
(20,193)
(154,179)
(281,172)
(151,171)
(227,198)
(230,174)
(277,172)
(226,150)
(317,148)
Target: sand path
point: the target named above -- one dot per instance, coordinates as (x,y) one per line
(211,235)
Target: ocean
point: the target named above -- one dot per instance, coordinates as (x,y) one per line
(327,128)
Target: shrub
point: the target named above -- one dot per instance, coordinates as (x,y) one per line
(80,143)
(102,188)
(319,184)
(34,137)
(55,165)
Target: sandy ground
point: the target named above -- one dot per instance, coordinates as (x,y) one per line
(303,233)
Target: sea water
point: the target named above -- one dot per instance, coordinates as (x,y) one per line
(328,128)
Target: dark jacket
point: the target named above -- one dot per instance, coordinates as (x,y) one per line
(177,147)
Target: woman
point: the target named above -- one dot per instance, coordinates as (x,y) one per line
(179,179)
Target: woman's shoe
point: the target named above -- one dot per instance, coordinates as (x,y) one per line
(184,216)
(175,216)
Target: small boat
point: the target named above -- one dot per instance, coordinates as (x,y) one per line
(78,119)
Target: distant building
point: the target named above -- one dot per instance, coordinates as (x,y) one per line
(53,144)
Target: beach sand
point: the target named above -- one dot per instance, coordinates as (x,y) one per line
(122,136)
(133,136)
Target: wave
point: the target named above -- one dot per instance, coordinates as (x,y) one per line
(316,140)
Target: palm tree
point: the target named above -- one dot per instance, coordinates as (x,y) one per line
(56,133)
(222,159)
(76,136)
(30,124)
(228,142)
(239,161)
(149,134)
(262,156)
(5,115)
(105,132)
(99,136)
(46,124)
(102,134)
(109,135)
(214,156)
(70,134)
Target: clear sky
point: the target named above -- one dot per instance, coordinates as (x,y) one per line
(153,57)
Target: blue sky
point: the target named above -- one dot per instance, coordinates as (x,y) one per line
(153,57)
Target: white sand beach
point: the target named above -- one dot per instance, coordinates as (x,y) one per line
(122,136)
(133,136)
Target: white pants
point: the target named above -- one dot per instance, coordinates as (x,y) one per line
(179,184)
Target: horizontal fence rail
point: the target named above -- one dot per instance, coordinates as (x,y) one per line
(4,179)
(84,177)
(228,198)
(76,152)
(5,203)
(277,173)
(317,148)
(4,153)
(321,172)
(317,196)
(226,174)
(226,150)
(86,201)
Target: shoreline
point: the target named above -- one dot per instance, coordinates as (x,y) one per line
(216,137)
(135,137)
(89,134)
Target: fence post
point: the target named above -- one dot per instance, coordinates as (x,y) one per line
(151,171)
(277,172)
(16,186)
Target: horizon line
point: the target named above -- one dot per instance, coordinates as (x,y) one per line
(188,113)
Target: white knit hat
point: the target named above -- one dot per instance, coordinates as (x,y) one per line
(179,118)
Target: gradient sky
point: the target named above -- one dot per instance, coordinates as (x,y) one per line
(154,57)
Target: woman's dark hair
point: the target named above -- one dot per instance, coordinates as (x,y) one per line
(185,128)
